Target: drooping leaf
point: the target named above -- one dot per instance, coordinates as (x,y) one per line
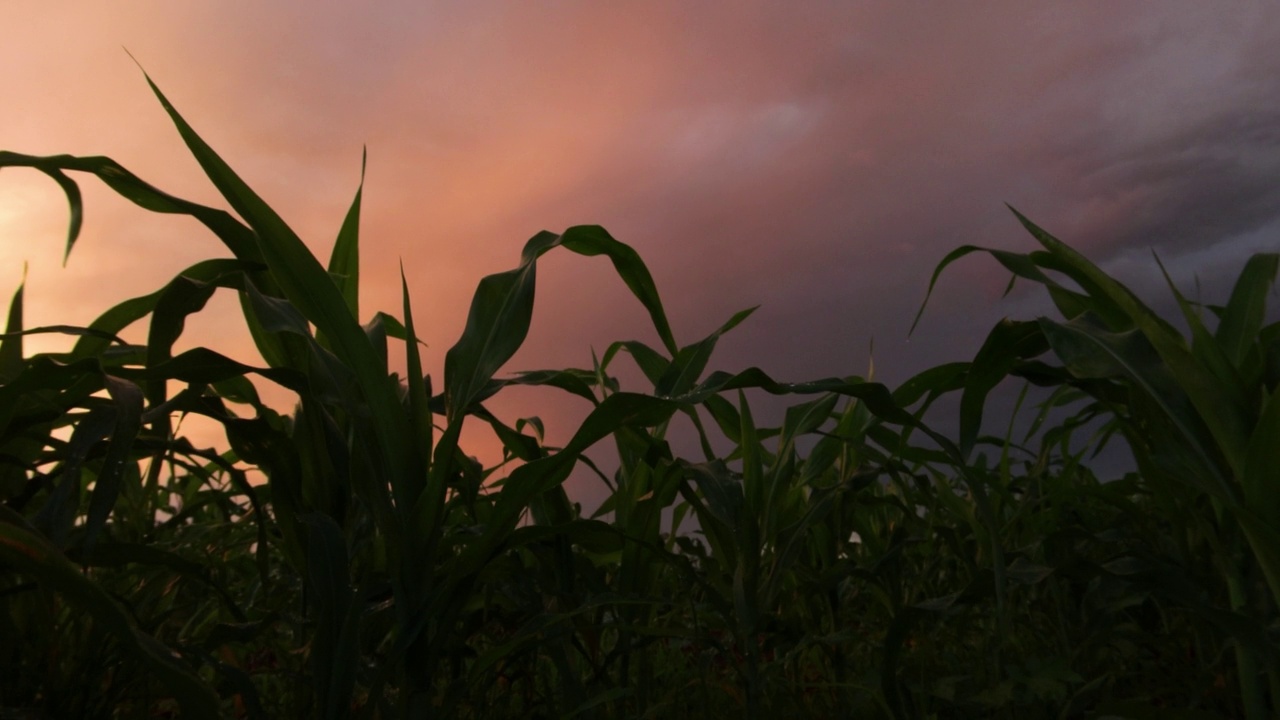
(238,238)
(220,272)
(595,240)
(651,362)
(1006,344)
(74,199)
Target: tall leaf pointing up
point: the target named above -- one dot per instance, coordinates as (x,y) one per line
(11,347)
(307,285)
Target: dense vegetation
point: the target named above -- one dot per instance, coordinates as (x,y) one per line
(851,562)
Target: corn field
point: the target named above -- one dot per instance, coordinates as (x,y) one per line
(349,560)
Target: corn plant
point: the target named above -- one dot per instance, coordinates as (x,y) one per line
(1199,414)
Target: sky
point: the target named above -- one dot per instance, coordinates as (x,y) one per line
(816,159)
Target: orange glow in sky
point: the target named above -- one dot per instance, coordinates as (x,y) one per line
(817,159)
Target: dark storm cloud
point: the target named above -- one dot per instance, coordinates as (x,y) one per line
(1190,169)
(1202,185)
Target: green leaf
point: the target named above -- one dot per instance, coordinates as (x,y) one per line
(344,262)
(180,298)
(725,415)
(805,418)
(652,363)
(72,191)
(238,238)
(575,382)
(1207,352)
(203,366)
(1006,344)
(616,411)
(1091,351)
(937,272)
(58,514)
(308,287)
(421,429)
(718,508)
(595,240)
(932,382)
(795,541)
(220,272)
(1246,310)
(497,325)
(502,307)
(1220,409)
(683,372)
(11,353)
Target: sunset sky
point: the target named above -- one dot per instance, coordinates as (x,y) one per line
(816,159)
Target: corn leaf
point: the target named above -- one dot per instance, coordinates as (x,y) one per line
(1246,310)
(306,284)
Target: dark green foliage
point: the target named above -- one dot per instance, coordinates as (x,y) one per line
(348,559)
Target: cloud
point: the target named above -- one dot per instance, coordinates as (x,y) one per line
(1197,186)
(816,159)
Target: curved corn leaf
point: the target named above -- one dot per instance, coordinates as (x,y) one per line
(1091,351)
(571,380)
(1207,352)
(74,199)
(1006,345)
(219,272)
(595,240)
(498,320)
(651,362)
(238,238)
